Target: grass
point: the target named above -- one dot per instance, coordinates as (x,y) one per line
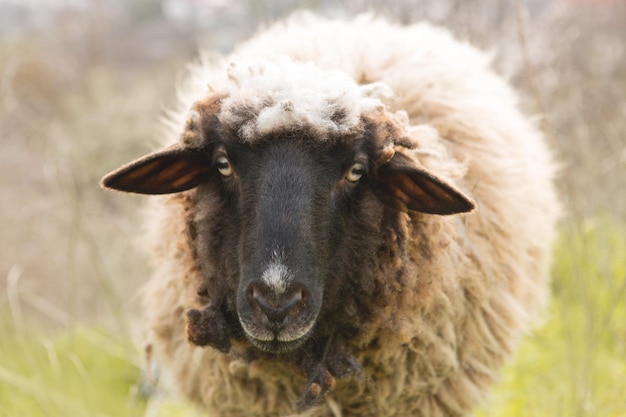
(80,372)
(573,366)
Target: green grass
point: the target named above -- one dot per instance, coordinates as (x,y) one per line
(81,372)
(573,366)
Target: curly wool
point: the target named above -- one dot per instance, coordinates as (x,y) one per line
(458,291)
(262,98)
(266,98)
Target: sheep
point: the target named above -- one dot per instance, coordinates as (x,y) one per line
(357,221)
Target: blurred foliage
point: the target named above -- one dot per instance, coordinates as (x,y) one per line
(79,372)
(574,365)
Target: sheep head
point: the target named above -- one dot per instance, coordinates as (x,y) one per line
(290,193)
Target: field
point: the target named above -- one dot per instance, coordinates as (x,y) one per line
(84,90)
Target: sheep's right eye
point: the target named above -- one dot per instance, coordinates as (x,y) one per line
(355,172)
(224,166)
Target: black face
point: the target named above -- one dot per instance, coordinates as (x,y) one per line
(287,231)
(287,203)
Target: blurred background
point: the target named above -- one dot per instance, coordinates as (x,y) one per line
(83,84)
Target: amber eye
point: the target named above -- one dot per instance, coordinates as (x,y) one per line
(224,166)
(355,172)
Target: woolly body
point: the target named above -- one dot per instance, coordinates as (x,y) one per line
(449,295)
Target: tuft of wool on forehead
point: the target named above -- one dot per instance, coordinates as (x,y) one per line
(264,98)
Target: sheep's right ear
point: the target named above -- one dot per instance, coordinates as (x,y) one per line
(168,171)
(411,187)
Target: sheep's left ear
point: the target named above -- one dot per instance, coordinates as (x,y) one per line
(411,187)
(167,171)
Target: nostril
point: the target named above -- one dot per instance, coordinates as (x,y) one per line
(254,293)
(272,310)
(294,299)
(276,308)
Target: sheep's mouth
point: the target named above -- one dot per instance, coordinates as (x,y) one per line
(276,347)
(277,342)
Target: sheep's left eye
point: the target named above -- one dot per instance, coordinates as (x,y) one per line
(355,172)
(224,166)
